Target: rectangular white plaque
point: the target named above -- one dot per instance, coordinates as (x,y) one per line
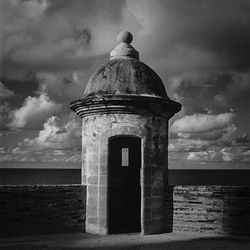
(125,157)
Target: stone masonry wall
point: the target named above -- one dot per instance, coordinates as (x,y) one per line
(27,210)
(209,209)
(153,132)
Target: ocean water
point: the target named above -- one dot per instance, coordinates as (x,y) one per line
(34,174)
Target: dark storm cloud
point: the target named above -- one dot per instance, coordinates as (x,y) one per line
(56,35)
(109,9)
(178,36)
(215,93)
(217,26)
(21,90)
(209,93)
(196,36)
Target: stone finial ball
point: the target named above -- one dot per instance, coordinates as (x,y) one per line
(125,37)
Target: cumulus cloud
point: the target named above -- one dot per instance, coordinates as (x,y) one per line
(201,151)
(20,154)
(186,152)
(186,145)
(216,93)
(204,126)
(202,122)
(57,133)
(200,137)
(34,111)
(55,92)
(222,154)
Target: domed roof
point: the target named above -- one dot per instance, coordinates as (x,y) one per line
(125,85)
(125,76)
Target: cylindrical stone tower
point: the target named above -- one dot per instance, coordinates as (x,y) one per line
(125,112)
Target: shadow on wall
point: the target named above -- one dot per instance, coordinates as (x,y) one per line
(168,208)
(48,209)
(236,216)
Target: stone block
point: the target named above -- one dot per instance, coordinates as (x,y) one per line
(103,180)
(92,220)
(92,201)
(103,189)
(93,168)
(92,211)
(92,190)
(103,168)
(102,230)
(103,210)
(102,222)
(91,228)
(102,201)
(92,179)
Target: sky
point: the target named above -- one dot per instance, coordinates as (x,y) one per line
(199,48)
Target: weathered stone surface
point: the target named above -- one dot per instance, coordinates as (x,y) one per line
(103,179)
(56,209)
(112,76)
(92,180)
(92,190)
(44,209)
(92,220)
(97,131)
(209,209)
(102,190)
(92,201)
(103,210)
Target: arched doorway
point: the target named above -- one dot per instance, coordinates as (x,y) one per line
(124,189)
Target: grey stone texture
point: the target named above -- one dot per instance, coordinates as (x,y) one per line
(224,210)
(28,210)
(97,129)
(209,209)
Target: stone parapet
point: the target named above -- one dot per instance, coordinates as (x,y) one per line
(41,209)
(214,210)
(209,209)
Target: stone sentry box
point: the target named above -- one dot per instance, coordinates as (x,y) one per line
(125,111)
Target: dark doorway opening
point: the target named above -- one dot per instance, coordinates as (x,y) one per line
(124,191)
